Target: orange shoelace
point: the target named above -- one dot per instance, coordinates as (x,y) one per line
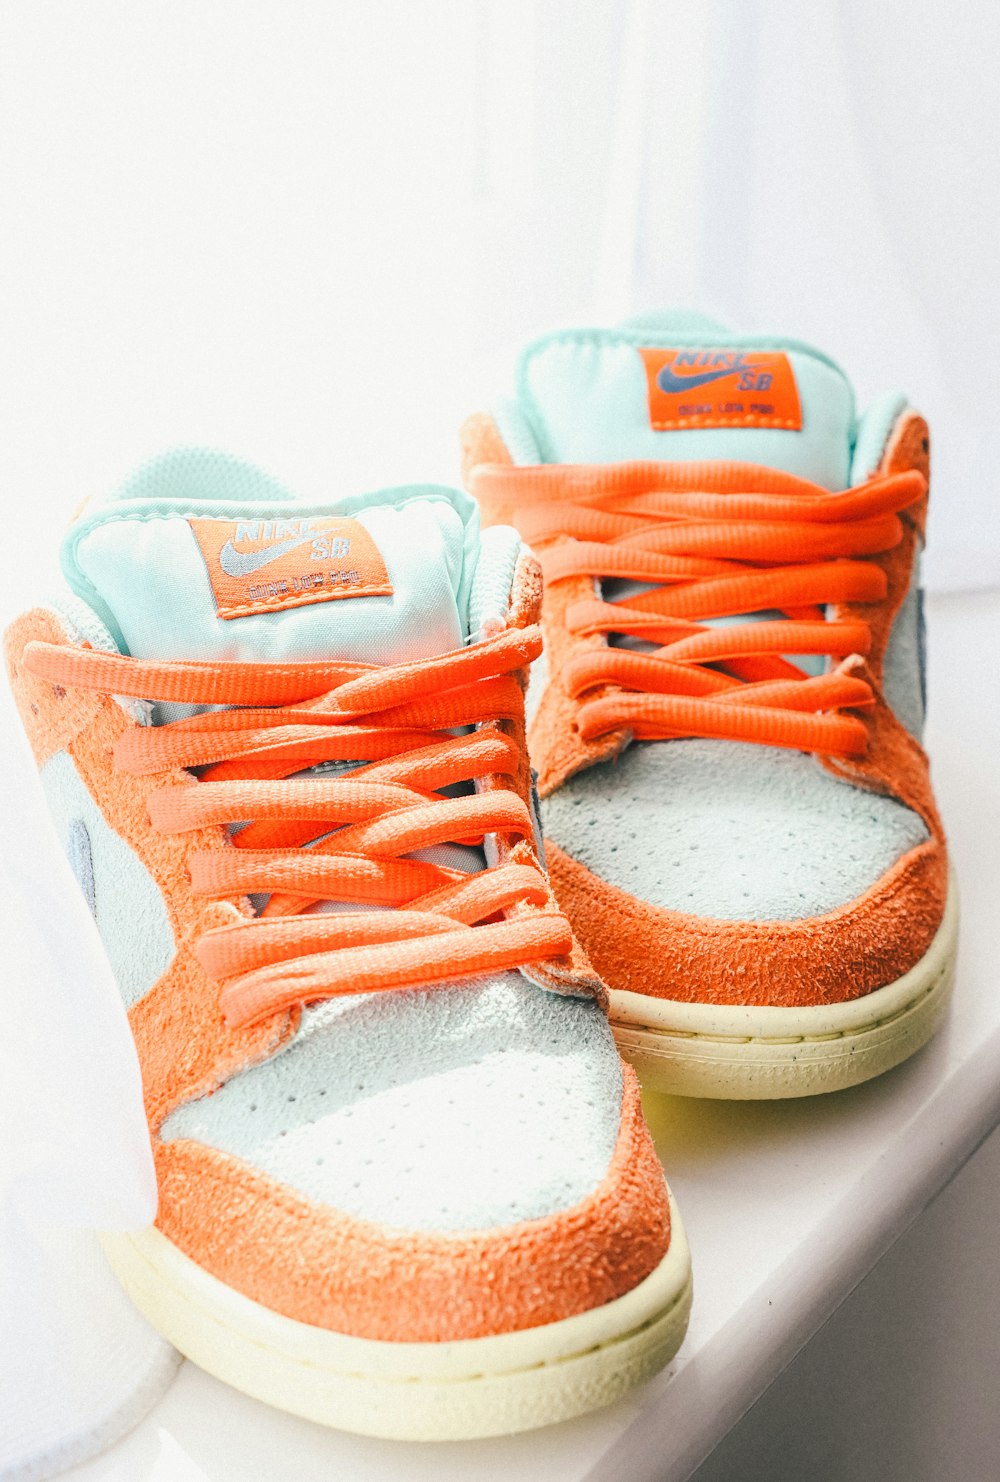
(712,540)
(447,924)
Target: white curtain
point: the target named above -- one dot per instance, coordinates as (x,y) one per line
(317,233)
(78,1366)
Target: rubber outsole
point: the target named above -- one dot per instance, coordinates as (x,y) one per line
(755,1053)
(410,1391)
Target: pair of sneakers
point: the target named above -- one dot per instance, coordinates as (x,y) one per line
(405,1183)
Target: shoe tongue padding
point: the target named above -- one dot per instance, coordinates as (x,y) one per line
(609,396)
(201,557)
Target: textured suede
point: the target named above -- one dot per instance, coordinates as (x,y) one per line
(526,592)
(481,442)
(184,1047)
(471,1109)
(525,611)
(895,763)
(312,1264)
(821,960)
(556,745)
(557,748)
(824,959)
(284,1250)
(51,716)
(134,924)
(567,975)
(729,831)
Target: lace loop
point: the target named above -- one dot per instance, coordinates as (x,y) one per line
(710,541)
(348,838)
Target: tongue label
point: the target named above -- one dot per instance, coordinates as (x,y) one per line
(266,565)
(721,388)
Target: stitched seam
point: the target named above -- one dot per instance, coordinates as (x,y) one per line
(608,1197)
(793,1039)
(248,609)
(749,419)
(211,509)
(304,1363)
(878,896)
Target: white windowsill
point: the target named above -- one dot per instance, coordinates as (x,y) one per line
(787,1205)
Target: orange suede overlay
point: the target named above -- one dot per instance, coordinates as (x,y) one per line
(896,763)
(822,960)
(278,1247)
(557,748)
(827,959)
(481,442)
(52,717)
(313,1264)
(184,1047)
(572,974)
(525,612)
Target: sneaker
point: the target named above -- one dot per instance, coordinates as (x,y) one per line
(737,807)
(405,1183)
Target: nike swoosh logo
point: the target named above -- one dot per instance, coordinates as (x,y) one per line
(235,564)
(670,383)
(81,860)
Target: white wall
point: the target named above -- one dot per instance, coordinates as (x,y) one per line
(314,233)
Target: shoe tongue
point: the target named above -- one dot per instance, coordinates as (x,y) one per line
(200,556)
(680,388)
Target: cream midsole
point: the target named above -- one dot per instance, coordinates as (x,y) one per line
(739,1023)
(199,1312)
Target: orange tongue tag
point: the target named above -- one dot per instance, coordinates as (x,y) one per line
(721,388)
(266,565)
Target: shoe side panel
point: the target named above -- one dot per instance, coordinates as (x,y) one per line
(319,1266)
(819,960)
(184,1047)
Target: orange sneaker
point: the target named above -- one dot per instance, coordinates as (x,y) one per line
(737,808)
(405,1183)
